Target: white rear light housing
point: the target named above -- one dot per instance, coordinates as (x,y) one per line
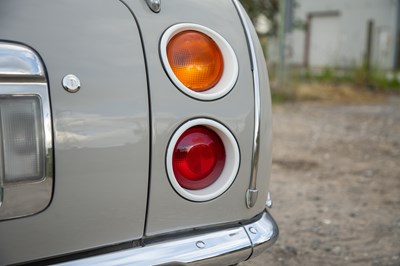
(220,161)
(193,63)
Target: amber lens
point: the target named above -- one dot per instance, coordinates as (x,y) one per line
(195,60)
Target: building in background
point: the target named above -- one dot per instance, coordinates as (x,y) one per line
(343,34)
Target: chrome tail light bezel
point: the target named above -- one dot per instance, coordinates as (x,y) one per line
(22,75)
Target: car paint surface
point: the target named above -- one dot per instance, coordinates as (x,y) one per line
(170,108)
(101,133)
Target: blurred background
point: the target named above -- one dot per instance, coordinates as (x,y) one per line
(334,69)
(340,41)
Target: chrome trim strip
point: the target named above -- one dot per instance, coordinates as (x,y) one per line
(19,61)
(224,247)
(252,192)
(269,203)
(1,195)
(154,5)
(22,74)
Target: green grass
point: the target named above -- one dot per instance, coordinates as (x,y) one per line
(278,97)
(359,76)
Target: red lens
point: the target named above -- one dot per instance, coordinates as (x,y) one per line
(198,158)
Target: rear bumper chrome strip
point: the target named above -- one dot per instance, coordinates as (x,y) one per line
(223,247)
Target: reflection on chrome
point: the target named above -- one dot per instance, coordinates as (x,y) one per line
(252,192)
(19,61)
(154,5)
(224,247)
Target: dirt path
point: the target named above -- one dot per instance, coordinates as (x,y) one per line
(336,184)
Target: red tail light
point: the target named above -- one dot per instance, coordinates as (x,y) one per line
(198,158)
(202,159)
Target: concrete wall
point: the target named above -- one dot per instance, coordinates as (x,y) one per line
(353,16)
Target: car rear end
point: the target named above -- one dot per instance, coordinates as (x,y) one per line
(122,143)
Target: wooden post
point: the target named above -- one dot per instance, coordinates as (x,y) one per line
(307,41)
(368,53)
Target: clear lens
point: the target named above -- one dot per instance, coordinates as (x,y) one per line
(22,139)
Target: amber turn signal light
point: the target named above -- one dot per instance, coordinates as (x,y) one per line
(195,59)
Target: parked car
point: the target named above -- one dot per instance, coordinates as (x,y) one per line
(133,132)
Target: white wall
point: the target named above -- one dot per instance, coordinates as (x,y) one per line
(352,30)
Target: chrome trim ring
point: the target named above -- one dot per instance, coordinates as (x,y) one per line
(231,67)
(229,172)
(71,83)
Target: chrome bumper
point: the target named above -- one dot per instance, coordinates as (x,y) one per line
(223,247)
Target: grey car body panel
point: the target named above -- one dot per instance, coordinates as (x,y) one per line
(170,108)
(101,133)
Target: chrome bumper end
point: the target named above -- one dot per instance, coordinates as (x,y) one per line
(223,247)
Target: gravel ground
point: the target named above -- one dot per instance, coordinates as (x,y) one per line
(336,184)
